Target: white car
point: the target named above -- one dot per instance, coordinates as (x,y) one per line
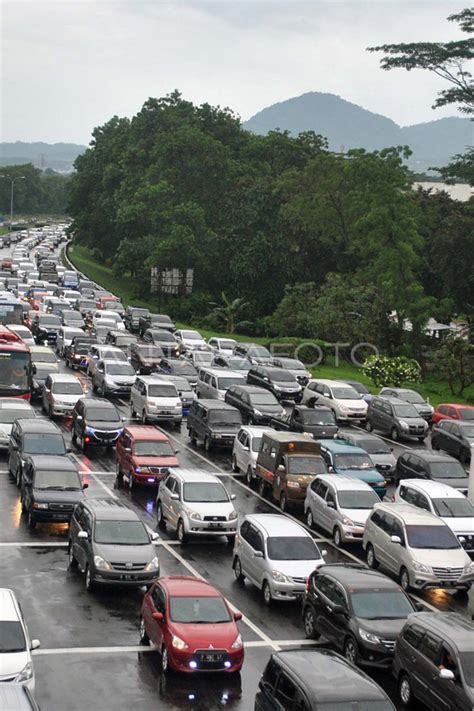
(347,404)
(191,340)
(100,316)
(99,351)
(450,504)
(65,336)
(24,333)
(11,409)
(15,665)
(155,399)
(245,450)
(223,346)
(61,393)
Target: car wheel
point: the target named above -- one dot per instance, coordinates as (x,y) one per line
(465,456)
(404,690)
(249,476)
(72,557)
(308,623)
(144,417)
(405,580)
(239,576)
(309,518)
(181,532)
(235,468)
(192,436)
(371,559)
(18,477)
(144,639)
(89,581)
(283,503)
(160,520)
(368,426)
(337,536)
(394,434)
(266,593)
(350,650)
(31,520)
(165,666)
(421,439)
(131,482)
(207,444)
(50,412)
(83,444)
(262,486)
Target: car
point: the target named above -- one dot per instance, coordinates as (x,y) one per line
(86,307)
(416,547)
(318,679)
(111,545)
(346,403)
(245,450)
(11,409)
(380,452)
(295,367)
(200,359)
(45,328)
(76,354)
(190,340)
(121,339)
(231,362)
(99,351)
(195,503)
(455,438)
(115,306)
(100,329)
(40,372)
(340,505)
(453,411)
(161,321)
(278,381)
(254,353)
(257,406)
(132,317)
(24,333)
(164,340)
(112,319)
(396,418)
(342,458)
(15,665)
(358,611)
(426,464)
(42,354)
(276,554)
(32,436)
(185,391)
(421,405)
(444,501)
(16,697)
(112,377)
(144,456)
(224,346)
(72,318)
(361,389)
(318,421)
(145,359)
(184,368)
(213,382)
(95,422)
(213,422)
(60,394)
(433,661)
(192,625)
(51,487)
(155,399)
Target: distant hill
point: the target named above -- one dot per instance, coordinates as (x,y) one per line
(347,125)
(57,156)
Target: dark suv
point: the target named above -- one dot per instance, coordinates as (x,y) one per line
(180,367)
(161,321)
(33,436)
(45,328)
(95,422)
(132,317)
(279,381)
(50,489)
(317,680)
(257,355)
(426,464)
(214,422)
(121,339)
(162,339)
(396,418)
(257,406)
(75,355)
(433,661)
(360,611)
(145,359)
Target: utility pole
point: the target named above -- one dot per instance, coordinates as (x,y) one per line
(12,180)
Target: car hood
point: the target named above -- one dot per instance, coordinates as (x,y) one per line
(367,475)
(321,430)
(359,405)
(455,558)
(222,508)
(385,629)
(194,344)
(413,421)
(383,460)
(13,663)
(69,399)
(125,554)
(122,379)
(357,515)
(104,426)
(59,497)
(460,525)
(296,568)
(206,636)
(155,461)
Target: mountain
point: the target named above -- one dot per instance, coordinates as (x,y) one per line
(347,125)
(57,156)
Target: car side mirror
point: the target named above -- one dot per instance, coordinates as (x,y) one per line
(237,616)
(127,449)
(331,469)
(158,616)
(396,539)
(281,468)
(258,554)
(35,644)
(233,497)
(176,451)
(85,486)
(331,505)
(79,418)
(446,674)
(83,534)
(154,536)
(175,497)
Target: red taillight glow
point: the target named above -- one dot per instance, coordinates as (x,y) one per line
(87,439)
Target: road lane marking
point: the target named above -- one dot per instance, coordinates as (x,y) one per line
(106,488)
(29,544)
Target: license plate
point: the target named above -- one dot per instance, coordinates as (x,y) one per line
(215,525)
(127,577)
(212,657)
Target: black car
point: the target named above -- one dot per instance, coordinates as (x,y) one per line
(180,367)
(257,406)
(257,355)
(95,422)
(75,354)
(317,680)
(132,317)
(45,328)
(86,307)
(121,339)
(455,438)
(359,611)
(145,359)
(164,339)
(278,381)
(426,464)
(161,321)
(50,488)
(214,422)
(32,436)
(318,421)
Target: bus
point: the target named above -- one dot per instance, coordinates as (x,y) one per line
(16,370)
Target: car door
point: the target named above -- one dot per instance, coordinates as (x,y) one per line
(454,438)
(324,519)
(285,693)
(449,694)
(27,481)
(156,603)
(386,554)
(316,495)
(241,445)
(426,669)
(323,602)
(83,546)
(250,562)
(14,449)
(167,487)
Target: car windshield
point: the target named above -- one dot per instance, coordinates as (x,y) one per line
(49,321)
(67,388)
(431,537)
(281,376)
(192,335)
(306,465)
(412,396)
(453,508)
(12,638)
(381,604)
(154,448)
(185,368)
(345,394)
(57,480)
(466,413)
(357,499)
(199,610)
(102,415)
(238,364)
(263,399)
(448,470)
(205,492)
(292,548)
(122,533)
(224,417)
(353,461)
(44,357)
(225,383)
(113,306)
(162,337)
(113,355)
(162,391)
(44,443)
(467,666)
(259,352)
(318,417)
(468,431)
(119,369)
(125,340)
(150,352)
(8,415)
(405,411)
(226,345)
(374,446)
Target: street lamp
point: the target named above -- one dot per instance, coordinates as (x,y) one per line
(12,180)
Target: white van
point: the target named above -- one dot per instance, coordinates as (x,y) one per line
(155,399)
(213,382)
(15,663)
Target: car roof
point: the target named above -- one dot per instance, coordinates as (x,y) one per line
(64,378)
(153,379)
(215,404)
(98,401)
(183,585)
(14,403)
(146,432)
(194,475)
(8,605)
(110,509)
(434,489)
(52,462)
(290,436)
(342,482)
(337,446)
(410,514)
(431,455)
(358,576)
(277,525)
(37,424)
(451,626)
(327,381)
(256,431)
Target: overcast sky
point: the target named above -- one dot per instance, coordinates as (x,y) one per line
(69,65)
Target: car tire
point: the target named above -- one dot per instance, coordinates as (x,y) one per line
(394,436)
(309,519)
(283,503)
(31,521)
(72,557)
(50,412)
(308,623)
(131,482)
(165,666)
(235,468)
(249,476)
(404,578)
(262,486)
(207,444)
(434,445)
(368,426)
(144,639)
(239,576)
(160,520)
(370,557)
(405,693)
(192,436)
(88,579)
(464,456)
(144,422)
(350,651)
(83,444)
(337,536)
(181,532)
(266,593)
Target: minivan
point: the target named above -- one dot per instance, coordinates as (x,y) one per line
(33,436)
(347,404)
(214,382)
(436,466)
(278,381)
(155,399)
(342,458)
(213,422)
(395,418)
(257,406)
(16,666)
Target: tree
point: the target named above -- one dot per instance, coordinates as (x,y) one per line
(229,312)
(455,360)
(384,371)
(445,59)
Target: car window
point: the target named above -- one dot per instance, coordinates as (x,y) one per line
(430,647)
(158,599)
(285,692)
(271,673)
(413,635)
(330,498)
(422,502)
(386,523)
(171,483)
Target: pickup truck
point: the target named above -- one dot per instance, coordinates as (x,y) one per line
(318,421)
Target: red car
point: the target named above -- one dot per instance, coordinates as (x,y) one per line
(144,455)
(101,301)
(192,626)
(452,411)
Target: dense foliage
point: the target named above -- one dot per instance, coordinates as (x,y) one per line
(34,192)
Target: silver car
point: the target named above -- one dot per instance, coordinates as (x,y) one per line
(12,409)
(276,554)
(111,377)
(245,451)
(60,394)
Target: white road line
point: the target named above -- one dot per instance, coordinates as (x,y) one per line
(39,544)
(94,477)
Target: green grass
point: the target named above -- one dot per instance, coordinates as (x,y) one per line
(436,390)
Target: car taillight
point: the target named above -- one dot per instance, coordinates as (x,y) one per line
(87,439)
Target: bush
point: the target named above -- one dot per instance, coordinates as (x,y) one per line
(309,350)
(385,371)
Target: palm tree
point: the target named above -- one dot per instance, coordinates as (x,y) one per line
(228,312)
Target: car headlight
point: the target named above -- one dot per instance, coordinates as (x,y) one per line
(468,569)
(154,564)
(369,637)
(178,643)
(195,515)
(237,644)
(276,387)
(101,564)
(26,673)
(280,577)
(404,425)
(347,521)
(292,484)
(422,568)
(258,413)
(233,515)
(36,505)
(142,470)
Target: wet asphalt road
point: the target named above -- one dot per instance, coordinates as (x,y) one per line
(89,656)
